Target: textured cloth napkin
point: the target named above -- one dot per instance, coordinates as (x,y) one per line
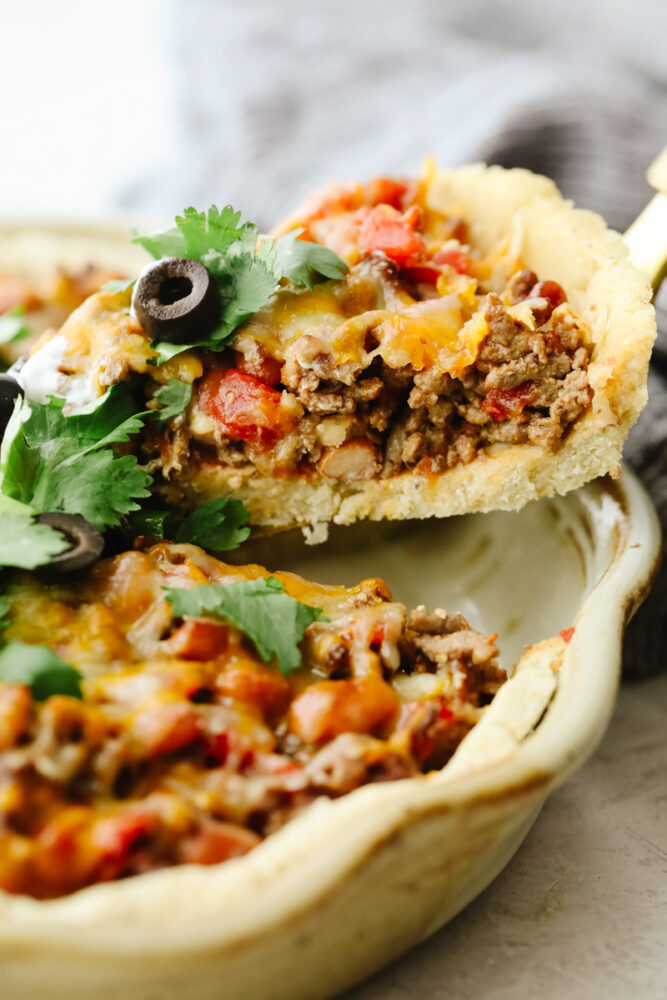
(276,98)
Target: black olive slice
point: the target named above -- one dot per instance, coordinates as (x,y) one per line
(10,390)
(176,299)
(86,543)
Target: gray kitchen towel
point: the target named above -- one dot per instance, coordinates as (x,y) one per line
(274,98)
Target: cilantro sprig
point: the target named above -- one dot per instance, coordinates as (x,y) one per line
(66,463)
(274,621)
(219,526)
(26,544)
(247,267)
(5,613)
(174,398)
(42,670)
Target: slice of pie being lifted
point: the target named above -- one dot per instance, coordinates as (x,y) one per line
(488,345)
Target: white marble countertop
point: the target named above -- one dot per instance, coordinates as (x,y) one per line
(581,911)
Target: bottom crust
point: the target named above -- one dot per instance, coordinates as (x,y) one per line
(506,477)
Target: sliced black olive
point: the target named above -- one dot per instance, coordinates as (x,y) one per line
(10,390)
(176,299)
(86,543)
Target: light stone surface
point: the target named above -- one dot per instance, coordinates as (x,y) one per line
(581,911)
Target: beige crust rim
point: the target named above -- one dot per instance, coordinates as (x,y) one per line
(560,242)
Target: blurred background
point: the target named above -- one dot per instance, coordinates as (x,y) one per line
(144,106)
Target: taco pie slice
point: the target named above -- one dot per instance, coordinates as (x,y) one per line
(464,342)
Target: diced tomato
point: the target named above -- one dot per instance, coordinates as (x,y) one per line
(64,857)
(217,842)
(197,639)
(446,712)
(115,835)
(426,273)
(384,229)
(567,633)
(262,367)
(378,634)
(164,727)
(217,746)
(329,708)
(255,684)
(456,257)
(245,407)
(551,291)
(386,191)
(503,403)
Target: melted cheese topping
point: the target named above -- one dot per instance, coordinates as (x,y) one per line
(442,332)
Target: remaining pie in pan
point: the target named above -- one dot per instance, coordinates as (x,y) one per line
(166,708)
(465,342)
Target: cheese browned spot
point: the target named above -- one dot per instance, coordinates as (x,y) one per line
(187,747)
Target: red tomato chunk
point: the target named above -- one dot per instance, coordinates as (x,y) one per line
(326,709)
(503,403)
(244,407)
(384,229)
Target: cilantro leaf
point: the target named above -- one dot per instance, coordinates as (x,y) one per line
(304,263)
(18,463)
(98,486)
(5,612)
(64,463)
(195,233)
(261,609)
(26,544)
(118,285)
(13,327)
(247,269)
(219,526)
(174,398)
(154,523)
(247,286)
(42,670)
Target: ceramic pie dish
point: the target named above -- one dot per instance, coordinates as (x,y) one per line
(353,883)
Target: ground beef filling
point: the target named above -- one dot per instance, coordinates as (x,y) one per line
(528,384)
(186,747)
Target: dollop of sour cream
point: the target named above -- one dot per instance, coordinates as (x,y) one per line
(41,377)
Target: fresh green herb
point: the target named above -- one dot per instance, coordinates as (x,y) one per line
(13,327)
(5,613)
(42,670)
(118,286)
(54,462)
(153,523)
(25,544)
(173,398)
(219,526)
(305,263)
(261,609)
(247,268)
